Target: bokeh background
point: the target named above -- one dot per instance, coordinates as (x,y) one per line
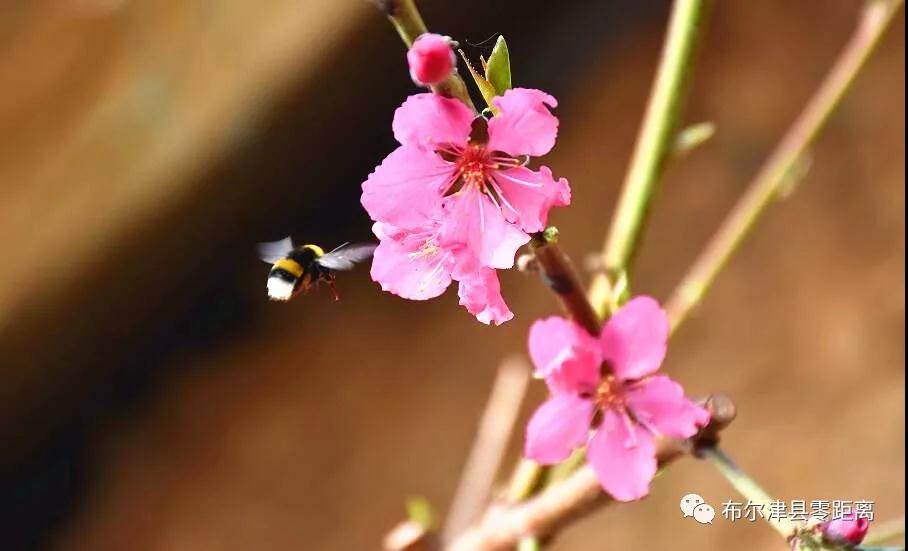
(151,397)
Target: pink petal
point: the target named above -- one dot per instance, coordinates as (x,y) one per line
(659,404)
(527,196)
(635,338)
(623,457)
(481,296)
(476,226)
(558,427)
(406,187)
(428,120)
(399,268)
(565,355)
(525,126)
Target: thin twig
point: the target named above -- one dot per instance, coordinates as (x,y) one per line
(559,274)
(747,487)
(545,514)
(495,429)
(409,24)
(654,145)
(775,173)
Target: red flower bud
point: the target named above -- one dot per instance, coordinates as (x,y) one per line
(431,59)
(849,530)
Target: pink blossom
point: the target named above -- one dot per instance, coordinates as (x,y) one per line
(475,169)
(848,530)
(431,59)
(605,394)
(414,265)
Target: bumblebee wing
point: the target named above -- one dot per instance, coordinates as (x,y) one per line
(345,257)
(272,251)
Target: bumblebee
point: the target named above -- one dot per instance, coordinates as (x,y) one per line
(295,269)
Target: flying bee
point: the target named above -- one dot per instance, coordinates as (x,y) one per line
(295,269)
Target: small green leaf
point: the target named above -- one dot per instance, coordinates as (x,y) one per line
(795,174)
(485,87)
(498,68)
(692,137)
(420,511)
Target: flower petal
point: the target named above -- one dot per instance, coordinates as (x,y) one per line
(481,296)
(635,338)
(565,355)
(558,427)
(525,125)
(428,120)
(623,456)
(406,187)
(399,268)
(659,403)
(476,226)
(527,196)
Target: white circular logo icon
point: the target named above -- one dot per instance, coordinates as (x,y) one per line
(704,513)
(689,502)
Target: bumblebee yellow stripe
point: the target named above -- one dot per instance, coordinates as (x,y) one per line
(290,266)
(316,249)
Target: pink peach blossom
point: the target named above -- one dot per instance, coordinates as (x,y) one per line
(455,200)
(475,169)
(617,412)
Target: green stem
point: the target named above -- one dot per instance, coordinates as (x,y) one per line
(529,544)
(527,479)
(654,145)
(746,486)
(405,17)
(776,173)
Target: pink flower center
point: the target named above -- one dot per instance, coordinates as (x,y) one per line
(477,168)
(610,397)
(472,166)
(610,394)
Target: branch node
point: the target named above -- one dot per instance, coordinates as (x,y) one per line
(722,411)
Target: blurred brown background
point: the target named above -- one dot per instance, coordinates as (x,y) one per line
(151,398)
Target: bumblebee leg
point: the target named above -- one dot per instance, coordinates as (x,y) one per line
(302,288)
(330,282)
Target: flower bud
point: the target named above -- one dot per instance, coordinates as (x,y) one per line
(431,59)
(849,530)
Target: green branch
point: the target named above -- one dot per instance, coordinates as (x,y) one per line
(747,487)
(777,172)
(654,144)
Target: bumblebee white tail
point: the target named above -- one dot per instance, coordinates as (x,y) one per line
(279,289)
